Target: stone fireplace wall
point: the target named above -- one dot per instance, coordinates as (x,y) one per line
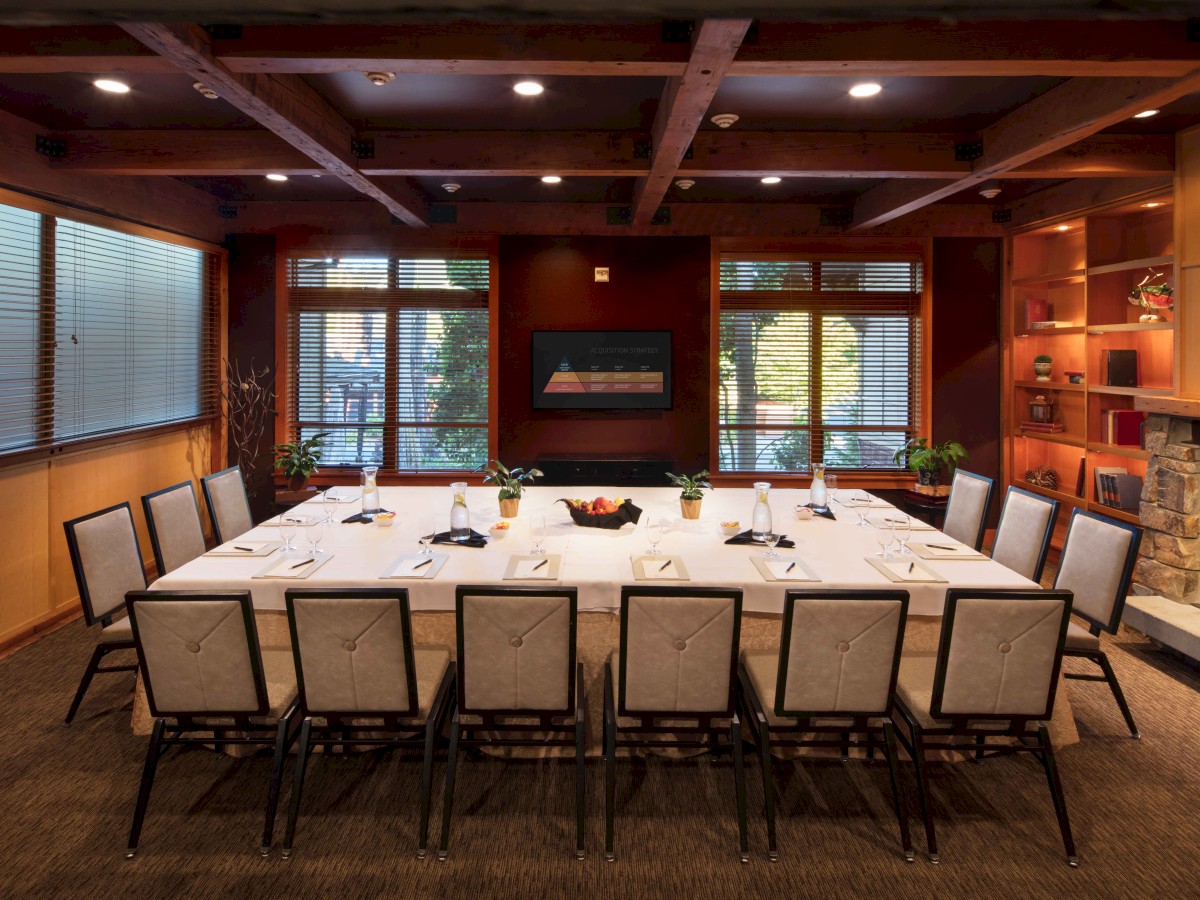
(1169,560)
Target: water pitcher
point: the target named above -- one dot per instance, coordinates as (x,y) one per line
(370,491)
(818,496)
(760,521)
(460,516)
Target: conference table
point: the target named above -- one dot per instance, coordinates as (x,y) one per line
(836,552)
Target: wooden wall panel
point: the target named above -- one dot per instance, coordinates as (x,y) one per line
(24,565)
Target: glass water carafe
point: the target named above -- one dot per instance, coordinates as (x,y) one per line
(370,491)
(760,521)
(460,516)
(818,496)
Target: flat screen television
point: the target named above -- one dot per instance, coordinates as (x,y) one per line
(601,370)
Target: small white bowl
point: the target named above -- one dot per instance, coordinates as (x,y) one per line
(731,530)
(385,521)
(498,533)
(804,513)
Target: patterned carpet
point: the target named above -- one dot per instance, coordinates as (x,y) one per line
(67,796)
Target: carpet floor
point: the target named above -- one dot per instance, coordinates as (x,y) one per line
(66,798)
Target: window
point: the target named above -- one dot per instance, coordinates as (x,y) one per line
(389,355)
(818,361)
(101,332)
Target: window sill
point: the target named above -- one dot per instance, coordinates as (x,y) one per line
(87,445)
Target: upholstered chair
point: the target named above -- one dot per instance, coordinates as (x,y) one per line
(228,506)
(1023,535)
(993,677)
(966,512)
(107,561)
(207,681)
(1097,562)
(517,683)
(833,673)
(673,682)
(173,519)
(362,682)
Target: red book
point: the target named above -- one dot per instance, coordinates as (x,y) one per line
(1035,310)
(1127,428)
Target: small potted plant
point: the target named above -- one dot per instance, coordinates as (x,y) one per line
(298,460)
(692,493)
(929,459)
(1042,364)
(510,483)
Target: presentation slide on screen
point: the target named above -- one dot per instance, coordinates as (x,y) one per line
(602,369)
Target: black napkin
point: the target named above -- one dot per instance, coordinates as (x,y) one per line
(475,540)
(746,537)
(825,513)
(358,517)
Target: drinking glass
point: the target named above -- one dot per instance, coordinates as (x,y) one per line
(862,503)
(425,533)
(314,531)
(654,533)
(831,487)
(287,531)
(537,534)
(902,528)
(771,539)
(329,502)
(883,537)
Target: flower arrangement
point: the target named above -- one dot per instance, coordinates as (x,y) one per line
(1152,298)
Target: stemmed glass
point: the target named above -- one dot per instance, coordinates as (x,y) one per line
(831,487)
(862,503)
(884,537)
(771,539)
(902,527)
(329,502)
(315,531)
(654,533)
(287,531)
(425,533)
(537,534)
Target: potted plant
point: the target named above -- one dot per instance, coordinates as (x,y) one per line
(1041,366)
(929,459)
(299,460)
(510,483)
(692,493)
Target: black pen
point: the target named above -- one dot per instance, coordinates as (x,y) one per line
(663,567)
(789,568)
(539,565)
(418,565)
(940,547)
(302,563)
(247,549)
(910,567)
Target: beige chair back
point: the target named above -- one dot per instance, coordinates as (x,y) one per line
(967,509)
(174,523)
(1097,566)
(199,653)
(678,650)
(1023,535)
(107,560)
(999,654)
(225,495)
(840,652)
(353,651)
(516,649)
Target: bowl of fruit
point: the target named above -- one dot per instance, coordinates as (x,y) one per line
(500,530)
(602,512)
(729,529)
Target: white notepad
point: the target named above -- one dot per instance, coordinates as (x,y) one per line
(917,524)
(650,568)
(905,570)
(778,569)
(289,567)
(533,568)
(244,548)
(407,566)
(945,551)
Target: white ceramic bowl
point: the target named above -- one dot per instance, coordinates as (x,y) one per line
(385,521)
(803,513)
(498,533)
(731,530)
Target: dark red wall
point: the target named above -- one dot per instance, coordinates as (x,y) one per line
(547,283)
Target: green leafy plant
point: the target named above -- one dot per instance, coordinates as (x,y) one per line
(299,459)
(920,454)
(1043,358)
(693,486)
(508,480)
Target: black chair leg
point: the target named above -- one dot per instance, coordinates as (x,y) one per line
(918,755)
(889,737)
(432,728)
(281,747)
(580,764)
(1056,792)
(764,749)
(739,778)
(979,745)
(297,786)
(448,800)
(1119,695)
(610,765)
(93,665)
(153,753)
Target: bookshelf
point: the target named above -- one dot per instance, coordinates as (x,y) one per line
(1068,282)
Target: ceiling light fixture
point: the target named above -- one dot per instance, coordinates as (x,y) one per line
(685,183)
(275,176)
(991,192)
(528,88)
(1153,204)
(205,91)
(1063,228)
(723,120)
(450,187)
(551,179)
(771,179)
(379,79)
(1146,113)
(113,87)
(866,89)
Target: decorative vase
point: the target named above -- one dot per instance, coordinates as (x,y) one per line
(509,506)
(297,482)
(928,477)
(1042,371)
(689,508)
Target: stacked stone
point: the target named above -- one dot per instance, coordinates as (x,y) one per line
(1169,560)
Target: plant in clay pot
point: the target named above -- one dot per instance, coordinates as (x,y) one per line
(298,459)
(1041,366)
(928,460)
(692,493)
(510,482)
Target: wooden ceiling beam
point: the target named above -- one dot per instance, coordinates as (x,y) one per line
(684,102)
(1049,123)
(285,105)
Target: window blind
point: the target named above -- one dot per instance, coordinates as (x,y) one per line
(103,332)
(818,361)
(389,355)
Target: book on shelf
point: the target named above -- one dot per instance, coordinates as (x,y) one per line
(1121,368)
(1103,488)
(1036,310)
(1044,427)
(1050,323)
(1127,490)
(1122,427)
(1081,478)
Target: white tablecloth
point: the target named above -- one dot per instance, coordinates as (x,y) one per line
(595,561)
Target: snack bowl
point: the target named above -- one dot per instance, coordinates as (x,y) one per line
(804,513)
(500,530)
(729,529)
(385,520)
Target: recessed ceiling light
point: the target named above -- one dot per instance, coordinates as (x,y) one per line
(205,91)
(379,79)
(113,87)
(772,179)
(551,179)
(450,187)
(723,120)
(685,183)
(275,176)
(1063,228)
(1153,204)
(1146,113)
(528,88)
(866,89)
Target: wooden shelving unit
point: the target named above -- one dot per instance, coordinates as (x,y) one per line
(1078,272)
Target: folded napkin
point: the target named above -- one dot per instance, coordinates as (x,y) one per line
(358,517)
(746,537)
(475,540)
(824,512)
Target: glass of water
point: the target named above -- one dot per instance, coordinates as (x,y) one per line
(902,528)
(425,533)
(537,534)
(862,503)
(329,502)
(654,533)
(287,530)
(884,537)
(831,486)
(314,532)
(771,539)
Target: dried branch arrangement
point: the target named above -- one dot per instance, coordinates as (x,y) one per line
(249,406)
